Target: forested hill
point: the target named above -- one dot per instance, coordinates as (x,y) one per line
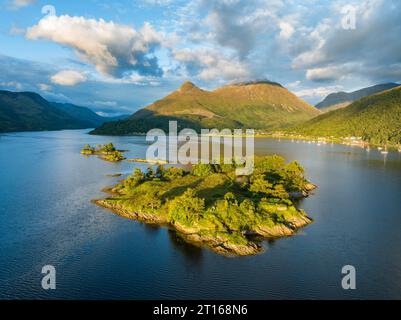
(376,118)
(28,111)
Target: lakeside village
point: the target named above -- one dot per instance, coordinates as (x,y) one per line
(348,141)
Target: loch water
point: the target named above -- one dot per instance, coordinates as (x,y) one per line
(47,218)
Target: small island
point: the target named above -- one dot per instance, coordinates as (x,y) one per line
(211,206)
(105,152)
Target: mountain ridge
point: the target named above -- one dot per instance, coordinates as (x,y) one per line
(338,100)
(258,105)
(29,111)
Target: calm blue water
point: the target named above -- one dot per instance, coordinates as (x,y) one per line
(47,218)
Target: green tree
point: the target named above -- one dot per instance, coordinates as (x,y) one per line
(149,200)
(261,186)
(247,206)
(109,147)
(230,199)
(203,170)
(293,174)
(187,208)
(174,172)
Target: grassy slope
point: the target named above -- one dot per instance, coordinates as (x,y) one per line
(255,105)
(376,118)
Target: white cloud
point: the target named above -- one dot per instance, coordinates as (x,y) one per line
(16,4)
(330,73)
(114,49)
(68,78)
(319,92)
(211,65)
(132,78)
(294,84)
(286,30)
(44,87)
(105,103)
(331,53)
(11,84)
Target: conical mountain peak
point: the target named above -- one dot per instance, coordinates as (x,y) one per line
(188,85)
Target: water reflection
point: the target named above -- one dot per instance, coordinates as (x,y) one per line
(192,253)
(46,217)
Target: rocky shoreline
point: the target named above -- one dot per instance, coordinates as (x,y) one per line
(216,242)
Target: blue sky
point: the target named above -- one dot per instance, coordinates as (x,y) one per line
(116,57)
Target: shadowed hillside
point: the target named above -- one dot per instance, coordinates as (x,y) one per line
(28,111)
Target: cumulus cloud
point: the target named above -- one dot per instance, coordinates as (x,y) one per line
(331,73)
(332,53)
(229,40)
(236,24)
(208,64)
(318,92)
(68,78)
(114,49)
(228,31)
(241,31)
(18,74)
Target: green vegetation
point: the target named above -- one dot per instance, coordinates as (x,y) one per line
(258,105)
(106,152)
(91,119)
(376,119)
(28,111)
(213,206)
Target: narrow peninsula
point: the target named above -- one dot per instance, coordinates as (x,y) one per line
(211,206)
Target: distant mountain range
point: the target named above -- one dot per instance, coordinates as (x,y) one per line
(28,111)
(258,105)
(376,118)
(340,100)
